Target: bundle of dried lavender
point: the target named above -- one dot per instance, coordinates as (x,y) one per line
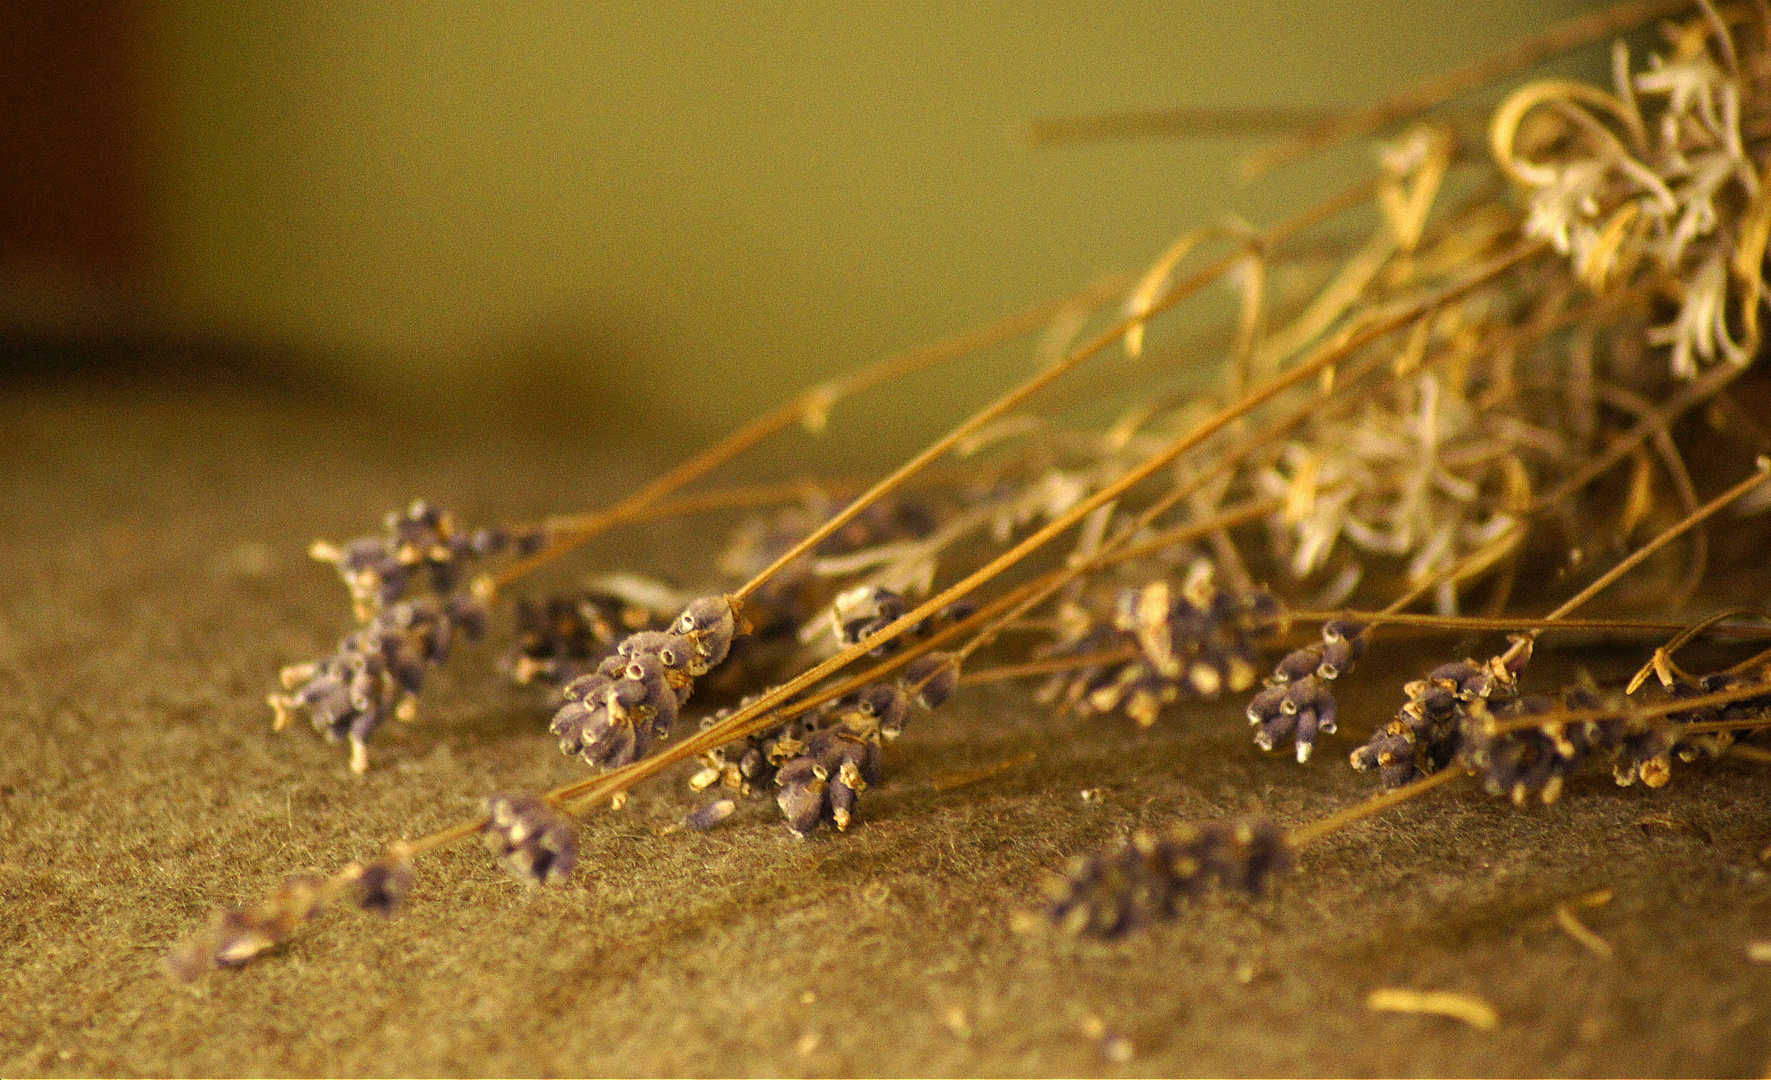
(1415,423)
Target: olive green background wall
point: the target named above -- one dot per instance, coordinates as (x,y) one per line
(688,209)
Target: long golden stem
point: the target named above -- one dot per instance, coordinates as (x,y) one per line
(1697,517)
(1352,196)
(810,405)
(1464,623)
(1440,89)
(1316,830)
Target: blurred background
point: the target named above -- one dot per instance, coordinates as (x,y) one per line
(650,217)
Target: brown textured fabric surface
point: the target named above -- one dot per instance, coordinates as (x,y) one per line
(152,580)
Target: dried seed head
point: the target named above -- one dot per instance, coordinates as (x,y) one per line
(536,844)
(1143,879)
(384,884)
(709,623)
(819,786)
(378,671)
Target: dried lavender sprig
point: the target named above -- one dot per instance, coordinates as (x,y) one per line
(1143,879)
(840,758)
(1425,734)
(1528,747)
(420,542)
(536,843)
(562,636)
(1194,641)
(1297,702)
(236,935)
(612,716)
(1433,727)
(378,671)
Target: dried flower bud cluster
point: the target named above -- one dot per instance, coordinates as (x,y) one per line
(1143,879)
(1530,762)
(377,671)
(384,884)
(536,843)
(564,636)
(1536,761)
(236,935)
(1297,703)
(1197,641)
(822,760)
(612,716)
(420,540)
(1427,732)
(1757,707)
(749,764)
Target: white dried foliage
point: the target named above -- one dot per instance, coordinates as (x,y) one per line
(1654,171)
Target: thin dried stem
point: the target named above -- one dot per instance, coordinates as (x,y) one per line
(1467,623)
(1002,405)
(1377,804)
(810,408)
(1650,712)
(1761,470)
(1442,88)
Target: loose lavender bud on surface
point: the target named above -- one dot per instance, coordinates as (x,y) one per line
(710,815)
(536,844)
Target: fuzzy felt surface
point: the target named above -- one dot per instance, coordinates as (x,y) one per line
(153,579)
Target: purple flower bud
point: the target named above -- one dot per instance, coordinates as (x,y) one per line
(932,678)
(537,844)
